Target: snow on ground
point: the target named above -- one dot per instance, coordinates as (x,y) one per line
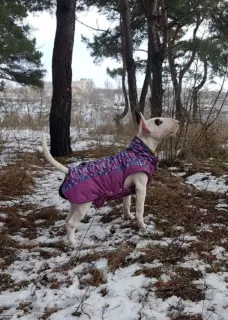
(28,140)
(206,181)
(53,281)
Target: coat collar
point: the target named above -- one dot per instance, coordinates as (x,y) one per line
(142,150)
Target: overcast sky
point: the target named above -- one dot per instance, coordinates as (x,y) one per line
(44,26)
(83,66)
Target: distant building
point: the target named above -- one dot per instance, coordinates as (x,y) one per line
(118,99)
(83,84)
(48,88)
(79,85)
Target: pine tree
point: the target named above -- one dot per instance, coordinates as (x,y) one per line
(20,61)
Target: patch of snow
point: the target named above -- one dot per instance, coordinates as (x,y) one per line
(220,253)
(178,228)
(173,169)
(208,182)
(178,174)
(204,228)
(222,207)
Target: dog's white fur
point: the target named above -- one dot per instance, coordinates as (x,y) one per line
(151,133)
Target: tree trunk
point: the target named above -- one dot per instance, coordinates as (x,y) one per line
(157,90)
(194,104)
(147,79)
(61,78)
(157,58)
(121,116)
(195,93)
(128,56)
(180,110)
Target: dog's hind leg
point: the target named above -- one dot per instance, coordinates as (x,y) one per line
(76,214)
(126,208)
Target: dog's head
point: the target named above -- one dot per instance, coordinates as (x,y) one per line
(158,128)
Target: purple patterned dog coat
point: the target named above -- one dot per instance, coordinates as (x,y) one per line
(103,179)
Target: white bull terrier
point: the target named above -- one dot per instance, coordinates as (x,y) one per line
(119,176)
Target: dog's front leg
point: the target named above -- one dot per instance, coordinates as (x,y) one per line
(140,200)
(126,208)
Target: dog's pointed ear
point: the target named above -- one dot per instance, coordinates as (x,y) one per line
(143,124)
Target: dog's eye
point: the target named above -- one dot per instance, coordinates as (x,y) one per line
(158,122)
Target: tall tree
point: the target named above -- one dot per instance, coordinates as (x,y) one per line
(157,43)
(61,78)
(128,56)
(166,26)
(19,60)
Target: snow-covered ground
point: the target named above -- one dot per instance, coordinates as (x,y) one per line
(102,277)
(206,181)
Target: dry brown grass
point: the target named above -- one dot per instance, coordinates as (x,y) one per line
(16,181)
(202,144)
(180,287)
(112,215)
(25,216)
(117,258)
(48,312)
(185,317)
(6,283)
(171,254)
(176,205)
(14,222)
(92,256)
(93,153)
(18,178)
(16,121)
(150,272)
(96,278)
(7,251)
(124,133)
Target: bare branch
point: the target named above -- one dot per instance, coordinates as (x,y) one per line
(92,28)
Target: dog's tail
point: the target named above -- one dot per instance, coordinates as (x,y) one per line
(50,159)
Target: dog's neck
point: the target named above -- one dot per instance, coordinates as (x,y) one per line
(151,142)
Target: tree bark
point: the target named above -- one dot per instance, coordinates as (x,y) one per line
(145,87)
(195,93)
(157,90)
(177,88)
(128,56)
(61,78)
(157,58)
(121,116)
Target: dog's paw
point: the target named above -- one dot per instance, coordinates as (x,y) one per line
(129,216)
(148,230)
(142,225)
(72,243)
